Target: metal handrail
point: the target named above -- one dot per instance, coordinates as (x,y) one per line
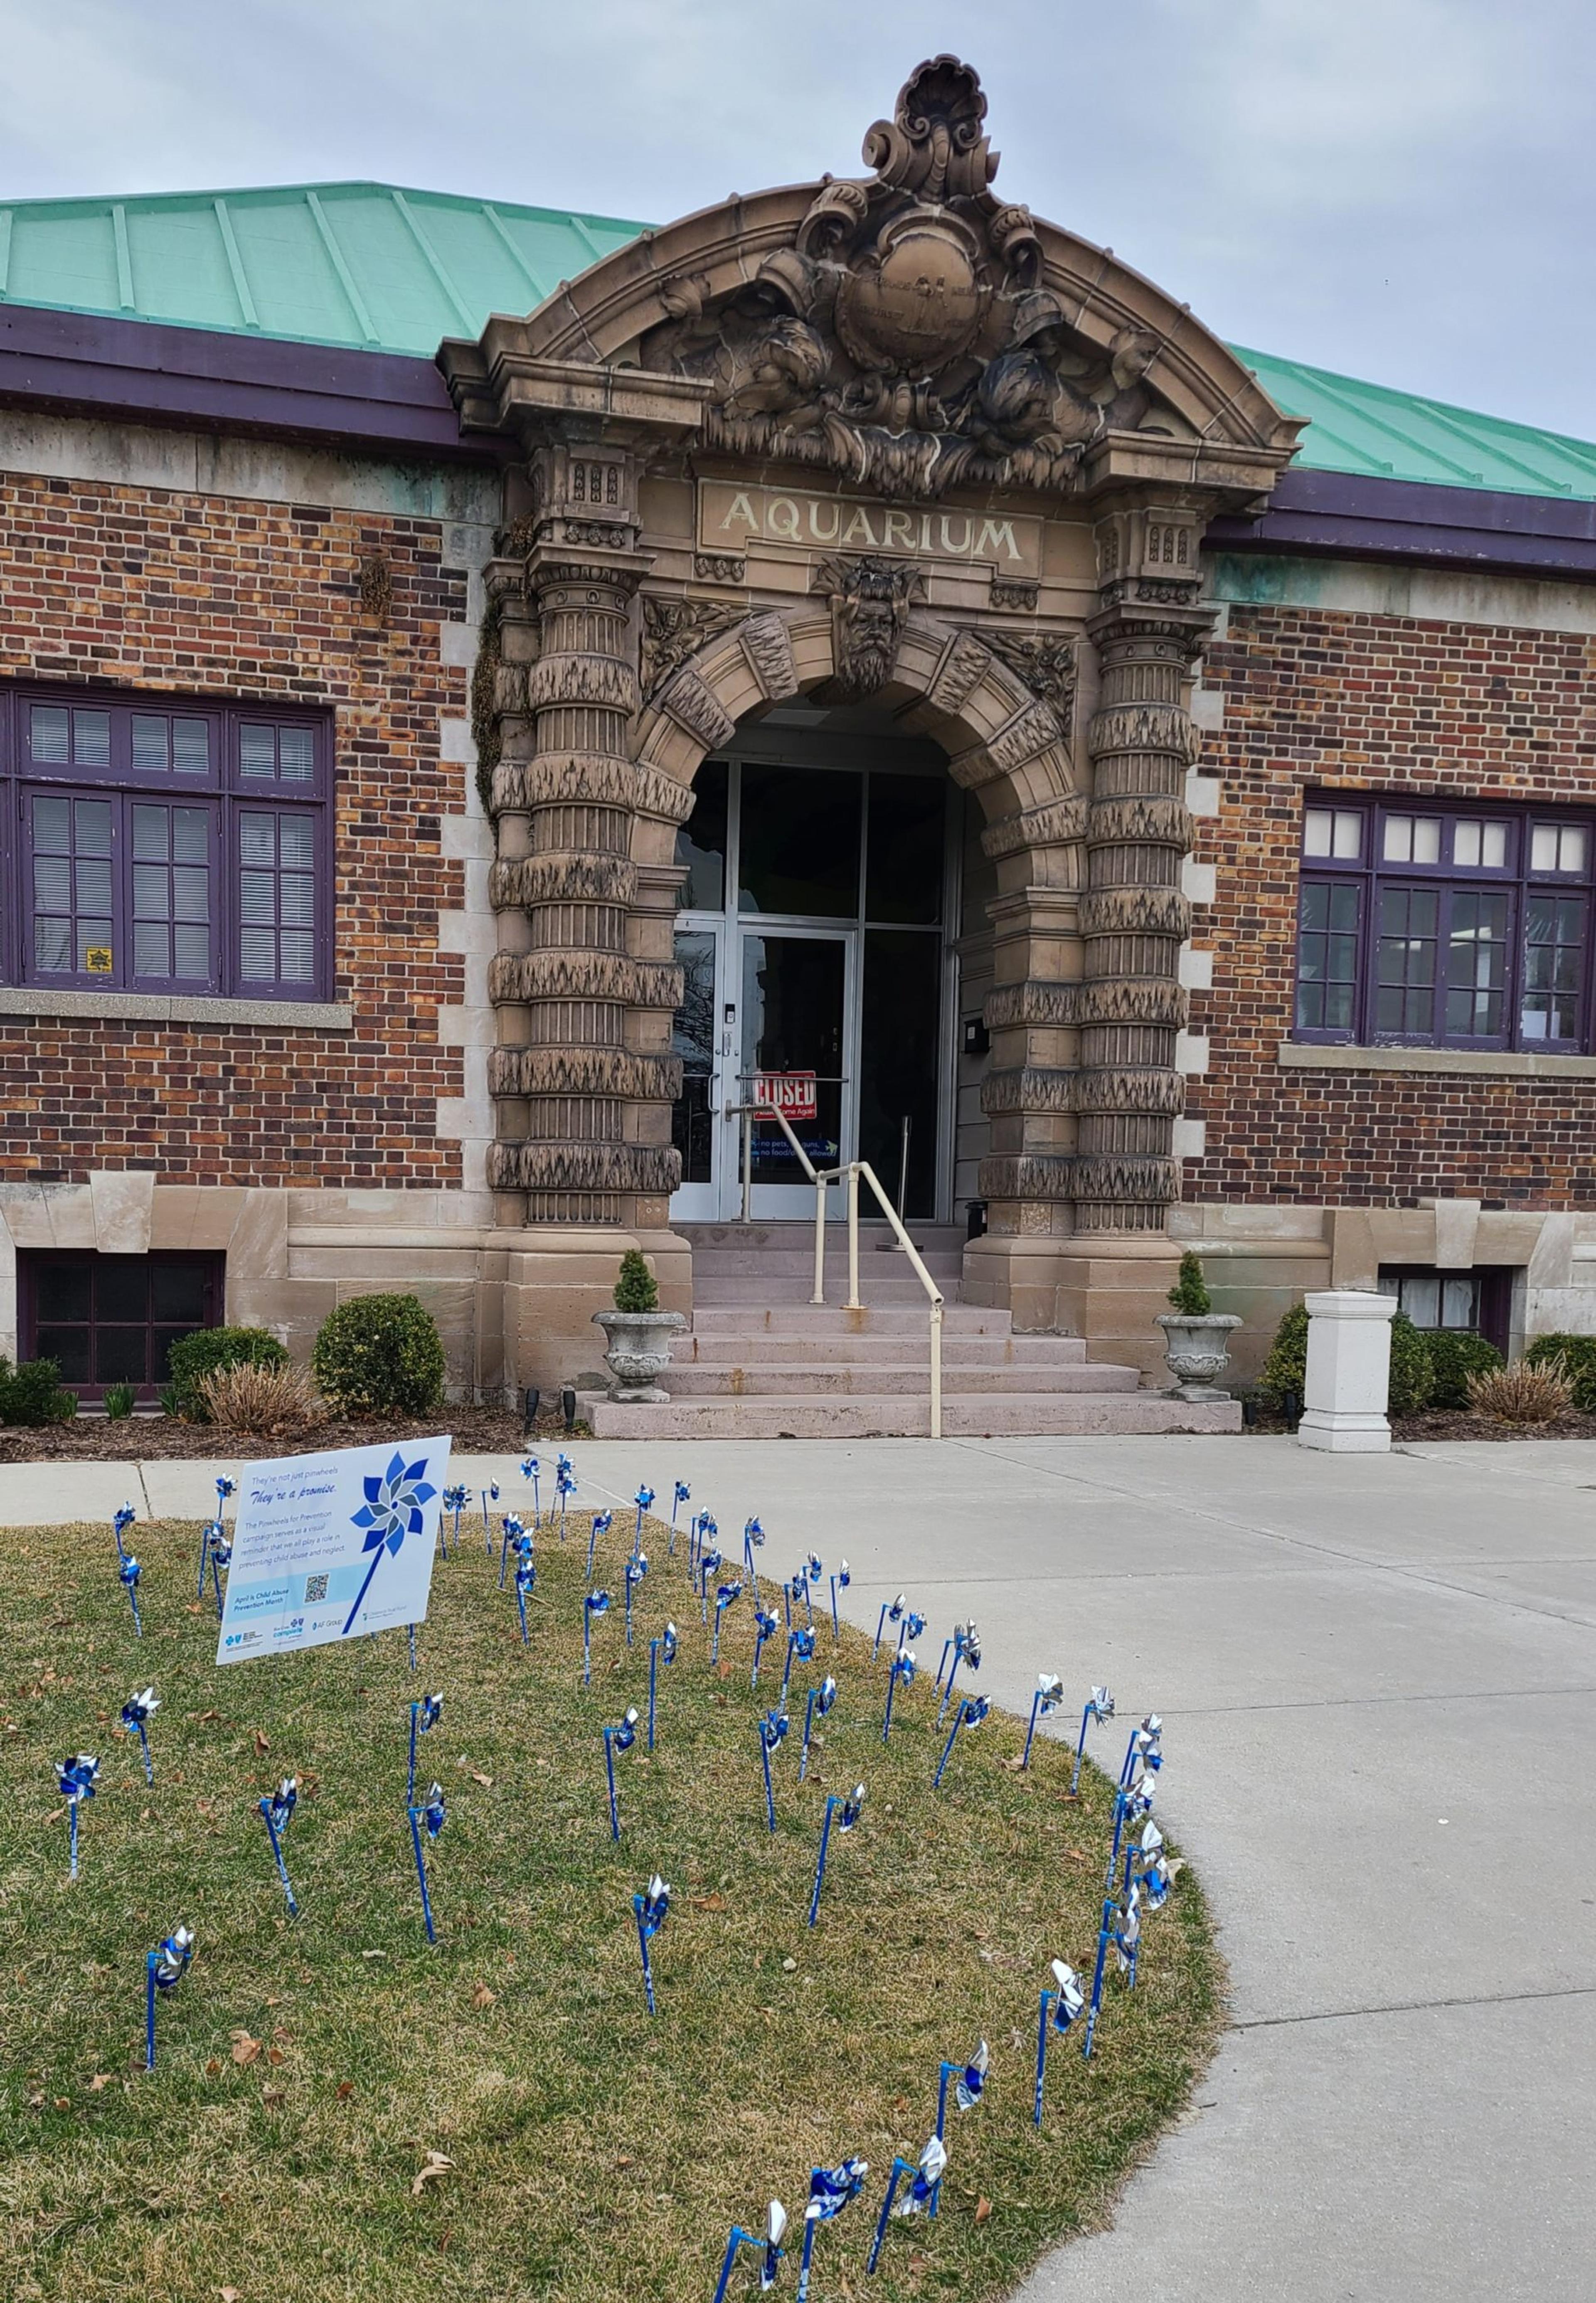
(748,1113)
(853,1169)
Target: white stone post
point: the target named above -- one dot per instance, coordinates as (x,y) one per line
(1348,1380)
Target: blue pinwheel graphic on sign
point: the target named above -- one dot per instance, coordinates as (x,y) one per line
(393,1509)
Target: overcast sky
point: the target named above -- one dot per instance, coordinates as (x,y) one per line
(1399,189)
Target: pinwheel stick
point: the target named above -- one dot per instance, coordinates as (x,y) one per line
(610,1773)
(521,1601)
(948,1690)
(151,1960)
(808,1724)
(1048,1998)
(886,1725)
(71,1824)
(948,2071)
(654,1665)
(901,2168)
(643,1947)
(149,1773)
(1030,1732)
(411,1628)
(836,1626)
(948,1747)
(133,1603)
(592,1542)
(1074,1779)
(1103,1933)
(740,2238)
(205,1548)
(769,1796)
(265,1817)
(831,1805)
(415,1816)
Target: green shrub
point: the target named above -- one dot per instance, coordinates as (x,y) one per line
(34,1394)
(637,1288)
(379,1355)
(194,1357)
(1411,1374)
(1190,1294)
(1578,1356)
(1453,1358)
(119,1402)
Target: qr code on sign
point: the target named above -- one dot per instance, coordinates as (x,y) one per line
(315,1588)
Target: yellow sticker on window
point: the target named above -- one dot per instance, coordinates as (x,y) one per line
(96,959)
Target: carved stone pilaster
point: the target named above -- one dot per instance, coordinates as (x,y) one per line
(569,1086)
(1133,915)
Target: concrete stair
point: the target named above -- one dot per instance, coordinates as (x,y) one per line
(762,1361)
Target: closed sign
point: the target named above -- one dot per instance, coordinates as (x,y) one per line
(792,1093)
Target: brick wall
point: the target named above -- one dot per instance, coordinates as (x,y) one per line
(1315,697)
(260,602)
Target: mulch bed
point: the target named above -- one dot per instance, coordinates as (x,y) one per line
(1453,1424)
(161,1439)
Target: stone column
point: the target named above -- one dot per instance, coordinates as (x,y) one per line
(1134,917)
(571,1086)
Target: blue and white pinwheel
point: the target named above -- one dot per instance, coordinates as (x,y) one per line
(800,1642)
(429,1818)
(833,2188)
(921,2193)
(433,1813)
(1100,1705)
(819,1702)
(163,1970)
(276,1810)
(129,1572)
(911,1628)
(1049,1695)
(845,1812)
(121,1522)
(727,1595)
(969,2090)
(766,2245)
(595,1604)
(77,1778)
(970,1713)
(137,1713)
(1152,1867)
(840,1582)
(765,1627)
(891,1613)
(773,1733)
(600,1524)
(900,1672)
(394,1507)
(650,1908)
(425,1714)
(1060,2006)
(619,1738)
(662,1650)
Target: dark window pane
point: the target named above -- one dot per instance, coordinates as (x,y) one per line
(165,1338)
(1405,964)
(122,1355)
(177,1292)
(62,1291)
(793,1022)
(68,1347)
(122,1288)
(1554,968)
(1476,965)
(1326,955)
(693,1039)
(898,1066)
(701,842)
(800,842)
(903,868)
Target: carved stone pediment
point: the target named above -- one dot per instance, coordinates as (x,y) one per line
(906,337)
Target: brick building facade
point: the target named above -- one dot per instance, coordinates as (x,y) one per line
(409,760)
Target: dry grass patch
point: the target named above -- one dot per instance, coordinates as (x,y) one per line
(592,2153)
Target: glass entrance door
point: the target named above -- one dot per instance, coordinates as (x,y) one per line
(797,996)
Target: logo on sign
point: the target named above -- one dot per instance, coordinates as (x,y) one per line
(792,1093)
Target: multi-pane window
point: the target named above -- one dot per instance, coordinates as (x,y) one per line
(1430,926)
(114,1319)
(161,847)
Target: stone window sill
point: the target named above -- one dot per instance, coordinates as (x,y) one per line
(1299,1055)
(162,1007)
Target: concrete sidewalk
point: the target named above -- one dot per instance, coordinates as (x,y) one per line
(1378,1679)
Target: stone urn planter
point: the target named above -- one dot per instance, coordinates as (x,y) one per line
(1197,1350)
(638,1353)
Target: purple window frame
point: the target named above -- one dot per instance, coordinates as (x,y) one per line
(34,1264)
(1371,873)
(223,791)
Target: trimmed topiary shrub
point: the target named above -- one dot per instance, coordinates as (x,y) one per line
(1453,1358)
(34,1394)
(194,1357)
(1577,1354)
(1411,1374)
(636,1288)
(379,1355)
(1190,1294)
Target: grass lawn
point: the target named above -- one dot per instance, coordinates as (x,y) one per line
(307,2068)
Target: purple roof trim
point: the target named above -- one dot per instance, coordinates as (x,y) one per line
(1352,517)
(141,371)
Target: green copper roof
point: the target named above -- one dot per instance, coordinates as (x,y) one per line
(364,265)
(1400,435)
(387,270)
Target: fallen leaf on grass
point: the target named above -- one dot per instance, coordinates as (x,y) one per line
(212,2070)
(486,1781)
(261,1745)
(620,2164)
(438,2162)
(193,1607)
(274,2055)
(481,1996)
(35,2103)
(346,2087)
(918,2266)
(62,2104)
(982,2210)
(228,2294)
(271,2095)
(244,2048)
(708,1902)
(722,1670)
(100,2080)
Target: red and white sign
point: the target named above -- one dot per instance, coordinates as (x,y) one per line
(792,1093)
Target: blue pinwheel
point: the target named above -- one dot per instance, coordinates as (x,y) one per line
(765,1627)
(727,1595)
(221,1556)
(845,1812)
(840,1582)
(394,1507)
(619,1738)
(129,1573)
(163,1970)
(972,2085)
(600,1524)
(830,2189)
(136,1715)
(970,1713)
(1099,1705)
(596,1603)
(643,1499)
(430,1818)
(636,1567)
(455,1500)
(526,1580)
(565,1486)
(819,1702)
(529,1471)
(925,2180)
(767,2247)
(514,1528)
(911,1628)
(891,1613)
(902,1670)
(78,1780)
(1049,1695)
(773,1733)
(121,1521)
(1060,2008)
(966,1644)
(276,1811)
(650,1910)
(662,1650)
(801,1644)
(969,2086)
(425,1715)
(752,1541)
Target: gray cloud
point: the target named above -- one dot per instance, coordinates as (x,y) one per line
(1399,189)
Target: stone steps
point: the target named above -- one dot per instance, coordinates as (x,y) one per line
(821,1416)
(818,1378)
(836,1319)
(788,1342)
